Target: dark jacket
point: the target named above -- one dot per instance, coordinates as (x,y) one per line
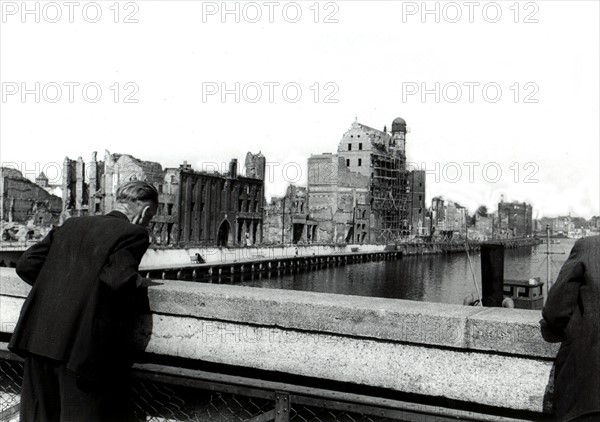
(572,313)
(80,309)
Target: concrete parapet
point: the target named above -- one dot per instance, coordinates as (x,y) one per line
(489,356)
(512,331)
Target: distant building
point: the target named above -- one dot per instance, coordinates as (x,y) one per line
(212,209)
(23,201)
(165,224)
(361,194)
(484,226)
(43,182)
(287,219)
(456,218)
(195,208)
(562,225)
(567,226)
(514,219)
(416,199)
(438,215)
(90,188)
(448,219)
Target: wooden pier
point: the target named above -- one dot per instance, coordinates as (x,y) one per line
(268,266)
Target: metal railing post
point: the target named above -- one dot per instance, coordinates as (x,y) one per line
(282,407)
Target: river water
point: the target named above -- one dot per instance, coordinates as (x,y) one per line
(427,278)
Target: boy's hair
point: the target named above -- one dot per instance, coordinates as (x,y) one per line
(137,191)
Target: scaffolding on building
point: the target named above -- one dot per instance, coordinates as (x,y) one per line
(389,195)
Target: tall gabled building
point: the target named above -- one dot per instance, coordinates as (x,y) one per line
(362,193)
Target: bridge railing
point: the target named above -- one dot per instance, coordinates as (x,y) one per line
(162,393)
(336,356)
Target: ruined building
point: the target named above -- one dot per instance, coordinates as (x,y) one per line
(515,219)
(213,209)
(23,201)
(448,219)
(42,181)
(419,223)
(364,193)
(195,208)
(287,219)
(89,188)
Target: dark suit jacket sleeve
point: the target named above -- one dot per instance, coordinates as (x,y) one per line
(562,298)
(121,268)
(32,260)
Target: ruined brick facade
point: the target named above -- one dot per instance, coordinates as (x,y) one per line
(448,219)
(287,219)
(165,224)
(456,218)
(515,219)
(23,201)
(195,208)
(416,195)
(89,187)
(214,209)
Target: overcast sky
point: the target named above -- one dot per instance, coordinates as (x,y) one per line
(515,111)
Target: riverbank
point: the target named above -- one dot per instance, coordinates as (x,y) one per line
(162,258)
(429,248)
(201,263)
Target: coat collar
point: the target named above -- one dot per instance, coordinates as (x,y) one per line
(117,214)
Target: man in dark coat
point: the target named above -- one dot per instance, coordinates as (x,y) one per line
(572,315)
(74,330)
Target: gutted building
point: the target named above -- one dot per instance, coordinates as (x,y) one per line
(287,220)
(215,209)
(416,198)
(23,201)
(363,194)
(195,208)
(515,219)
(90,188)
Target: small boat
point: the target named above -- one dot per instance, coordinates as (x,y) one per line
(525,294)
(532,293)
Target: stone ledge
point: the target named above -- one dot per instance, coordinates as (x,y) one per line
(385,319)
(11,284)
(492,379)
(475,377)
(10,308)
(511,331)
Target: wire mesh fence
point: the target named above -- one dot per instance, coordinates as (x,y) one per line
(158,402)
(11,374)
(315,414)
(161,402)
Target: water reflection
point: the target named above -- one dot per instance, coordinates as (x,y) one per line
(429,278)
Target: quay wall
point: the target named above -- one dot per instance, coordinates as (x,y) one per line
(163,258)
(486,356)
(175,257)
(181,257)
(426,248)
